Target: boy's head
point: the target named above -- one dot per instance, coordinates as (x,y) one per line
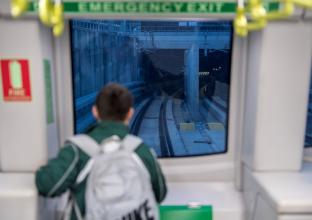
(114,102)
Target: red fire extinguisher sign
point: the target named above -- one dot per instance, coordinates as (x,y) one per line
(15,80)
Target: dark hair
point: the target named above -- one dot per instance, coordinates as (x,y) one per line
(113,102)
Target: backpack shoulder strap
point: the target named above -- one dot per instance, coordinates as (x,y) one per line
(90,147)
(131,142)
(85,143)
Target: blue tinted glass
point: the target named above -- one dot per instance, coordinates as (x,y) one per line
(308,135)
(178,72)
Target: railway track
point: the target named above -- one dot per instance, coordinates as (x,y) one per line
(135,128)
(164,137)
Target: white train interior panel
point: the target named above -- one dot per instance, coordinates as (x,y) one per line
(222,95)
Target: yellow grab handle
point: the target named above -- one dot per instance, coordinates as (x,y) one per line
(58,19)
(242,26)
(52,15)
(257,9)
(240,22)
(18,7)
(57,16)
(58,29)
(46,12)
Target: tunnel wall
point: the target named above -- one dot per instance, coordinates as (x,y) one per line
(102,52)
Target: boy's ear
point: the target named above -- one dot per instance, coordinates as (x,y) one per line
(129,115)
(95,113)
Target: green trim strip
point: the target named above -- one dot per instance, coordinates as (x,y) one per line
(151,7)
(185,213)
(48,91)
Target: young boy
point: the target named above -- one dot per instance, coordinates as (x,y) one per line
(113,111)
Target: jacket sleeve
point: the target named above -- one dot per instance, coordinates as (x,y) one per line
(59,174)
(157,177)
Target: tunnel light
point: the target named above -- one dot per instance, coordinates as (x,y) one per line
(192,23)
(204,73)
(183,24)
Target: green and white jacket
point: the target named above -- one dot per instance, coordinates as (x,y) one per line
(60,173)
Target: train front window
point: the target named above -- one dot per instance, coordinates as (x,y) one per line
(178,72)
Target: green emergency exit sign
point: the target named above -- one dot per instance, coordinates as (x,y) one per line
(150,7)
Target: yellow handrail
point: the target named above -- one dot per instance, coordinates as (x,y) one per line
(303,3)
(58,19)
(240,22)
(242,26)
(260,17)
(46,12)
(287,10)
(51,14)
(257,9)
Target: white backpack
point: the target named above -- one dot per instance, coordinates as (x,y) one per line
(118,185)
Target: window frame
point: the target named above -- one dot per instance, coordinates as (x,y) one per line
(226,132)
(308,149)
(215,167)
